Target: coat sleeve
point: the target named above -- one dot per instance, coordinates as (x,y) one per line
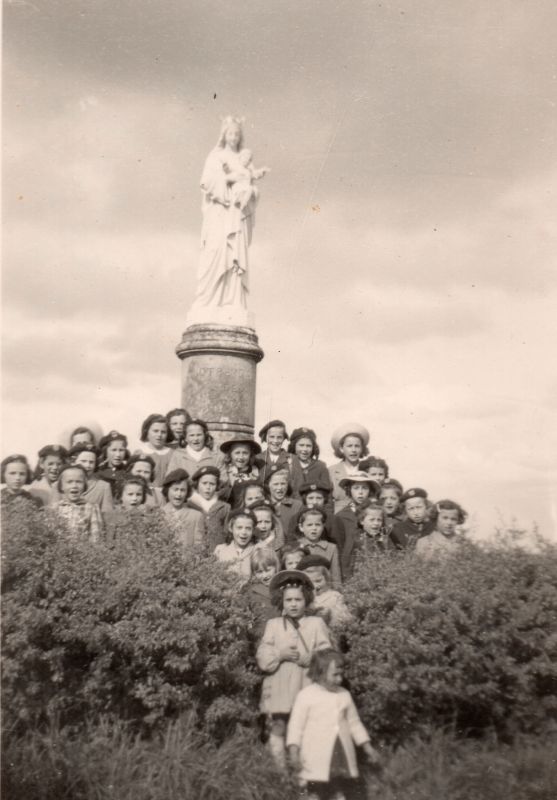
(336,577)
(297,721)
(267,655)
(200,531)
(106,503)
(322,640)
(95,523)
(338,535)
(357,730)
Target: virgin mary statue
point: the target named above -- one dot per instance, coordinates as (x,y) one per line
(229,198)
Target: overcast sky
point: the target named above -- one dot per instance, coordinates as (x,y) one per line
(403,265)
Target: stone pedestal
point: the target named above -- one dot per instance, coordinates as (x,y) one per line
(218,377)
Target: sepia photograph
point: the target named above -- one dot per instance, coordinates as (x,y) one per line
(279,407)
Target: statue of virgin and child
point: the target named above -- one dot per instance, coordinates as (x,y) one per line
(229,199)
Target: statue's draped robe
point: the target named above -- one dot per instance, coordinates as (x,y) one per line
(222,278)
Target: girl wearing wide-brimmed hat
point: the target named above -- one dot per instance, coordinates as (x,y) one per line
(239,462)
(359,489)
(285,652)
(350,444)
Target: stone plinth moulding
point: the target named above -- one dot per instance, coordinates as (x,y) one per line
(218,377)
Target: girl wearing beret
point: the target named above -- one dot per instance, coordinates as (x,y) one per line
(350,444)
(285,652)
(304,463)
(273,434)
(52,458)
(416,523)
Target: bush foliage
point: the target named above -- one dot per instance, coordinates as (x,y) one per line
(468,641)
(134,628)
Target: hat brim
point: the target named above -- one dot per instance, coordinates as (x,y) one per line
(350,481)
(349,429)
(228,445)
(290,575)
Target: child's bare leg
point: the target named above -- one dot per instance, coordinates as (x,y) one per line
(276,741)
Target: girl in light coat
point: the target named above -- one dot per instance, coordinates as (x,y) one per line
(285,652)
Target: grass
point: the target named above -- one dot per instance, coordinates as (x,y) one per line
(109,762)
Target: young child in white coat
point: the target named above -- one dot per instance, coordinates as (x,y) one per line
(323,727)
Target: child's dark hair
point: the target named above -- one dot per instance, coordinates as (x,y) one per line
(139,457)
(277,595)
(447,505)
(322,570)
(208,440)
(320,661)
(74,467)
(300,433)
(234,515)
(176,412)
(151,420)
(238,495)
(270,474)
(131,480)
(46,451)
(308,512)
(292,547)
(264,557)
(105,444)
(166,487)
(83,429)
(370,505)
(16,459)
(365,448)
(374,461)
(214,471)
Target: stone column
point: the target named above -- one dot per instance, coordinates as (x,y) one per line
(218,377)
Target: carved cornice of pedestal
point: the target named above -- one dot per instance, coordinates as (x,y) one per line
(219,339)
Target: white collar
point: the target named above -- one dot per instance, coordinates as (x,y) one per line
(206,505)
(195,455)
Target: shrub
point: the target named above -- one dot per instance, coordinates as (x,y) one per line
(136,628)
(469,640)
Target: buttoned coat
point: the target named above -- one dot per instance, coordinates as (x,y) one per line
(320,716)
(284,679)
(406,533)
(346,535)
(180,459)
(316,472)
(327,550)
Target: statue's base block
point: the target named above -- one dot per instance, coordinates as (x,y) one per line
(218,377)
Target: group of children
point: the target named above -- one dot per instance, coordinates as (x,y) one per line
(292,529)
